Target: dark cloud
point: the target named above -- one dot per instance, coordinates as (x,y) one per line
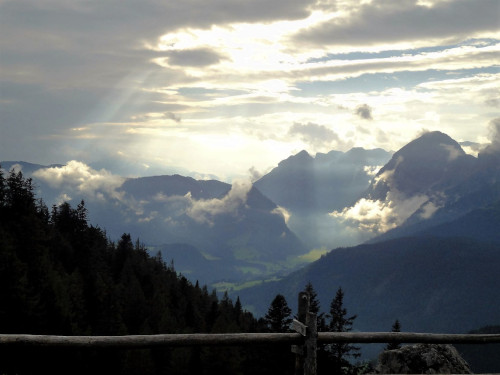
(172,116)
(364,111)
(383,21)
(88,44)
(66,63)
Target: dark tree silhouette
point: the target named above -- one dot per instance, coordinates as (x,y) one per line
(314,307)
(278,316)
(340,322)
(61,276)
(396,327)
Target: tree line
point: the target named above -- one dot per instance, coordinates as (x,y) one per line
(59,275)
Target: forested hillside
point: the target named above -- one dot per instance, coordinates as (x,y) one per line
(61,276)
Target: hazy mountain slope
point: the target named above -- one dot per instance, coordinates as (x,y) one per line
(311,187)
(429,284)
(305,184)
(482,224)
(25,166)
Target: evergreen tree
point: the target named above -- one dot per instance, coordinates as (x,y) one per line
(3,191)
(279,360)
(314,307)
(278,316)
(396,327)
(60,275)
(340,322)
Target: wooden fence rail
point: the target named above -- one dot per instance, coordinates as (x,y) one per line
(237,339)
(304,341)
(150,341)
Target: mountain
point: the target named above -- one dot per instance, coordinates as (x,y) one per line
(233,222)
(326,182)
(434,161)
(309,188)
(214,231)
(443,181)
(244,231)
(429,284)
(27,168)
(437,269)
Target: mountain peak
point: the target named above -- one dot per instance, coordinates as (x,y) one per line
(426,161)
(299,158)
(441,145)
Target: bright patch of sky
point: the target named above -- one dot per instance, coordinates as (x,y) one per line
(218,87)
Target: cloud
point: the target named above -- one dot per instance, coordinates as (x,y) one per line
(378,216)
(283,212)
(16,168)
(471,148)
(314,134)
(492,102)
(204,210)
(79,177)
(254,174)
(364,111)
(428,209)
(372,170)
(454,151)
(94,66)
(199,57)
(393,21)
(494,129)
(63,197)
(172,116)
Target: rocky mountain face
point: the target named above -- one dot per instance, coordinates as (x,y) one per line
(449,186)
(427,165)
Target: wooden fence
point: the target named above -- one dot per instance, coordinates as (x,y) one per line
(304,341)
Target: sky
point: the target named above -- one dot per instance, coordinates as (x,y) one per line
(228,88)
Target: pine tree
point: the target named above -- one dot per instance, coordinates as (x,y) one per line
(314,307)
(339,322)
(278,316)
(279,359)
(396,327)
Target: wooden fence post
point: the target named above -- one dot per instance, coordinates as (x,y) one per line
(306,325)
(311,346)
(300,327)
